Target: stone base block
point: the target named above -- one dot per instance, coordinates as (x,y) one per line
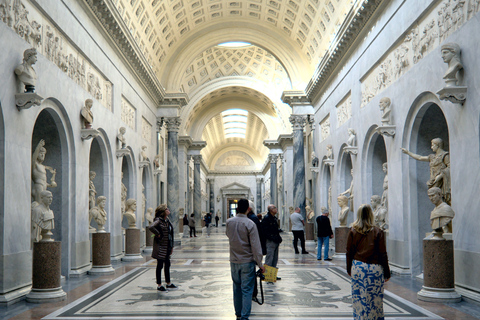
(80,272)
(148,237)
(309,231)
(46,295)
(101,270)
(132,241)
(101,250)
(133,257)
(341,234)
(438,295)
(148,250)
(46,265)
(15,296)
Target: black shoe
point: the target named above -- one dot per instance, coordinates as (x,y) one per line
(305,252)
(171,286)
(319,259)
(278,278)
(327,259)
(161,288)
(296,252)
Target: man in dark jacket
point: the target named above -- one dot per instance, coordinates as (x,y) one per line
(252,216)
(271,233)
(324,234)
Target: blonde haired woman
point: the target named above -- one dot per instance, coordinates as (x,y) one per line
(367,264)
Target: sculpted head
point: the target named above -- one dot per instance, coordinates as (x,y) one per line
(375,201)
(450,51)
(46,197)
(342,201)
(385,167)
(351,131)
(92,175)
(101,201)
(131,205)
(435,195)
(30,54)
(437,143)
(122,130)
(89,103)
(385,103)
(41,154)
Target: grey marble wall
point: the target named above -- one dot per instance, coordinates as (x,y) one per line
(298,123)
(273,179)
(173,187)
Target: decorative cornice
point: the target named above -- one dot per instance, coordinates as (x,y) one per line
(285,140)
(198,145)
(112,22)
(172,123)
(271,144)
(298,121)
(295,97)
(174,99)
(353,25)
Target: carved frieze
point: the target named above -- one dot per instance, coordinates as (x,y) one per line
(344,110)
(128,113)
(146,130)
(325,127)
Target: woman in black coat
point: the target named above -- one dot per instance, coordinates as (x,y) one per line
(162,245)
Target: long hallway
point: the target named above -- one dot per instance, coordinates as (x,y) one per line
(309,289)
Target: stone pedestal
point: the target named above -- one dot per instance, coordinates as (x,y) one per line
(148,241)
(438,272)
(180,227)
(341,234)
(132,245)
(46,273)
(101,263)
(309,231)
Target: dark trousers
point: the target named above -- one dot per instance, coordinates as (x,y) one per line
(298,234)
(160,264)
(192,229)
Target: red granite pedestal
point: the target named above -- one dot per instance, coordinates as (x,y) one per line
(438,272)
(46,273)
(309,231)
(132,245)
(341,234)
(101,263)
(148,241)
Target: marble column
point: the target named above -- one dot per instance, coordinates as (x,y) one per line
(259,195)
(188,204)
(298,123)
(212,197)
(273,178)
(197,191)
(173,188)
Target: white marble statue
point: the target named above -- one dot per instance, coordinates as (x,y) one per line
(451,55)
(291,209)
(384,199)
(181,213)
(25,72)
(349,191)
(144,203)
(121,137)
(156,162)
(87,114)
(352,138)
(439,168)
(143,154)
(42,218)
(379,212)
(314,159)
(130,208)
(329,200)
(149,216)
(99,214)
(123,196)
(441,217)
(39,173)
(329,152)
(344,209)
(385,104)
(310,213)
(92,193)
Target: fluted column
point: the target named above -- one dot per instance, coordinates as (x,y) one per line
(212,195)
(273,178)
(173,188)
(298,123)
(197,191)
(259,195)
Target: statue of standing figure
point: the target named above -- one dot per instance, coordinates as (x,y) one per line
(384,199)
(92,193)
(352,138)
(329,152)
(99,214)
(144,203)
(123,197)
(379,212)
(441,217)
(143,154)
(350,192)
(439,168)
(121,137)
(42,218)
(25,72)
(87,114)
(39,173)
(314,159)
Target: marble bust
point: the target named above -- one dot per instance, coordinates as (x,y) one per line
(39,172)
(441,217)
(314,159)
(149,215)
(439,168)
(451,56)
(121,137)
(42,218)
(87,114)
(385,104)
(99,214)
(291,209)
(352,138)
(344,209)
(25,72)
(329,152)
(130,208)
(310,213)
(143,154)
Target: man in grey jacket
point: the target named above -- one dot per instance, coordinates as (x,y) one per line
(245,252)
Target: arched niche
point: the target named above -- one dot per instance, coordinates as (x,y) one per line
(100,161)
(428,123)
(128,170)
(52,126)
(345,180)
(376,156)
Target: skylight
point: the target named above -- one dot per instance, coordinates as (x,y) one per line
(235,44)
(235,123)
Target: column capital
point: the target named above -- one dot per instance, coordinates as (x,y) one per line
(197,158)
(273,158)
(211,180)
(172,123)
(259,180)
(298,121)
(189,157)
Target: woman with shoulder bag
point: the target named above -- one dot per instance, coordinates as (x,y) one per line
(367,264)
(162,245)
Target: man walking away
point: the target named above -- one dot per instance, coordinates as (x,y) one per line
(272,235)
(245,252)
(298,226)
(324,233)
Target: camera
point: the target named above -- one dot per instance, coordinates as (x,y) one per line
(260,275)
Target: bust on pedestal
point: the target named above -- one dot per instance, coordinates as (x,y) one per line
(28,77)
(101,263)
(341,232)
(132,234)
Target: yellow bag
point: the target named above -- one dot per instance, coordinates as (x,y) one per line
(270,273)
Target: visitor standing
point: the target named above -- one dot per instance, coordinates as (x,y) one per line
(367,264)
(162,245)
(208,222)
(298,230)
(271,231)
(245,252)
(216,220)
(324,234)
(191,224)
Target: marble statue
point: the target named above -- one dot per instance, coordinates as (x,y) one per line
(143,154)
(329,200)
(344,209)
(99,214)
(439,168)
(87,114)
(121,137)
(385,104)
(441,217)
(39,173)
(25,72)
(42,218)
(156,162)
(352,138)
(92,193)
(123,196)
(144,203)
(291,209)
(350,192)
(314,159)
(379,212)
(384,199)
(310,213)
(451,56)
(329,152)
(130,208)
(149,216)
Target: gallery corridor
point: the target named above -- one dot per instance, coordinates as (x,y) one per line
(309,289)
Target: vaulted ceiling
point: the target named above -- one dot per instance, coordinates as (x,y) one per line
(181,40)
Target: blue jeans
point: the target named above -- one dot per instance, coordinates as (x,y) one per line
(322,241)
(243,276)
